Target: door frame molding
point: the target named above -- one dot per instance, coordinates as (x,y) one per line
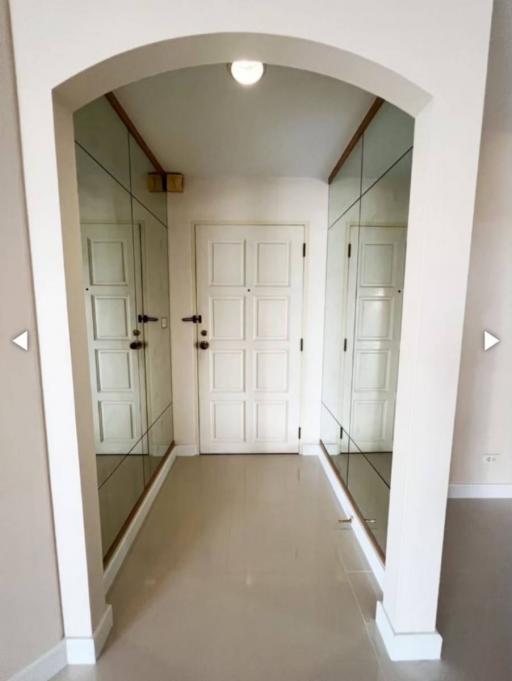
(304,225)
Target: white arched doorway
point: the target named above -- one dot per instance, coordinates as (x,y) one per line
(84,51)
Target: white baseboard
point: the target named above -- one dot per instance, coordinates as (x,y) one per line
(413,646)
(46,666)
(480,491)
(129,537)
(186,450)
(371,555)
(310,449)
(86,650)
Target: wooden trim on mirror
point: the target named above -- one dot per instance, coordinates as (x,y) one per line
(370,115)
(121,112)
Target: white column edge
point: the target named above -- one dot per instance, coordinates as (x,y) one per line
(87,650)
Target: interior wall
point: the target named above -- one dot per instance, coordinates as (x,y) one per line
(483,423)
(30,618)
(433,69)
(248,200)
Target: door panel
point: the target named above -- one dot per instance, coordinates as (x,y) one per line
(249,293)
(227,317)
(111,282)
(376,274)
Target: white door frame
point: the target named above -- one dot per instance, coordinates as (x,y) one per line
(350,310)
(256,223)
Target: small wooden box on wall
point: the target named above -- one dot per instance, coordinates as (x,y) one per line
(168,182)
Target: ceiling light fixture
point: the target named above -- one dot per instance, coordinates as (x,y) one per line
(247,72)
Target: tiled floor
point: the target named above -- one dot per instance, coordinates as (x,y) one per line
(241,573)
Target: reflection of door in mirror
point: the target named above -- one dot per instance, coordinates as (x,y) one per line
(112,278)
(155,304)
(374,314)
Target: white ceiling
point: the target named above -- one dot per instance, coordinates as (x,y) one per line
(199,121)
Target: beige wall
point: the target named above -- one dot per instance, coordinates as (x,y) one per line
(30,618)
(484,410)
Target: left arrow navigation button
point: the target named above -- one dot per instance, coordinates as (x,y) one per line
(21,340)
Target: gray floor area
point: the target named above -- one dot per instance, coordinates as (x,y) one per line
(242,573)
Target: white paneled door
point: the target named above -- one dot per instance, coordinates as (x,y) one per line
(249,295)
(111,262)
(376,276)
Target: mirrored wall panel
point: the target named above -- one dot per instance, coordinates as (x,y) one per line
(126,289)
(366,252)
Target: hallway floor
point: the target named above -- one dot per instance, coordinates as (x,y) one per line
(242,573)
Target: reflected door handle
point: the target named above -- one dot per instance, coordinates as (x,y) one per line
(136,345)
(204,345)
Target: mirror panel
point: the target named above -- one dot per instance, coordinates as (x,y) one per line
(159,439)
(370,490)
(140,165)
(338,238)
(125,264)
(335,441)
(100,131)
(388,137)
(364,290)
(346,186)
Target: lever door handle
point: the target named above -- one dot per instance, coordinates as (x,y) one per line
(195,319)
(144,318)
(136,345)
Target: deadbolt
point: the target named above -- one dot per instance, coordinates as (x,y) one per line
(204,332)
(136,332)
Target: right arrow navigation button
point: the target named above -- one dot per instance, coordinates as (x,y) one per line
(490,340)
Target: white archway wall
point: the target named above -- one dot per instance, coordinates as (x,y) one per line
(442,47)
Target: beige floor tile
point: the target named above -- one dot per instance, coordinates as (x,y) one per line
(241,573)
(367,593)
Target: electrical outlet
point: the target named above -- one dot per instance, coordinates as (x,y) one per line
(490,458)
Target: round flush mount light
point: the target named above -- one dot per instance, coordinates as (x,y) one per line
(247,72)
